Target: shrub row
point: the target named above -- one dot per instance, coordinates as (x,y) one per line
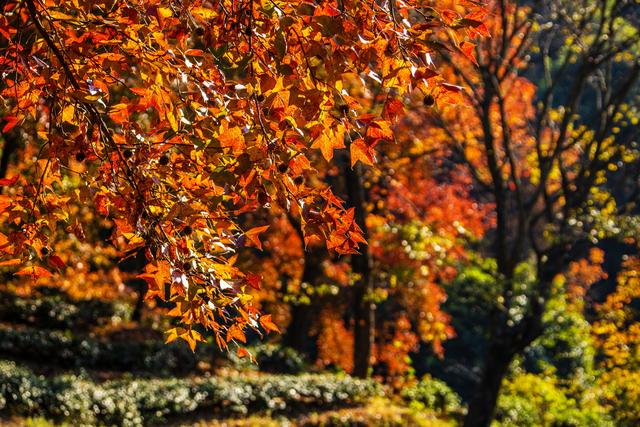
(63,349)
(59,312)
(140,402)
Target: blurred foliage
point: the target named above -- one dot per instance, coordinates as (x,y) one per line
(529,400)
(68,350)
(621,394)
(271,358)
(434,395)
(566,348)
(380,412)
(57,311)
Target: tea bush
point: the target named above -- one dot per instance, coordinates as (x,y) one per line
(137,402)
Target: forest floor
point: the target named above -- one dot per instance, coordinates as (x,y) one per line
(377,412)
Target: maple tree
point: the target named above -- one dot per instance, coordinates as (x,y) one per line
(414,241)
(541,155)
(180,117)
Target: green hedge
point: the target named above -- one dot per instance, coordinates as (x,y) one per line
(68,351)
(59,312)
(140,402)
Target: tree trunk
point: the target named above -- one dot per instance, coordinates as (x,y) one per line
(483,404)
(141,288)
(363,309)
(364,331)
(510,341)
(135,264)
(298,333)
(9,147)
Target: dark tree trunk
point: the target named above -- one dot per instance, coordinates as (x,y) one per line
(509,341)
(483,404)
(303,316)
(9,147)
(135,264)
(298,334)
(363,309)
(141,288)
(364,330)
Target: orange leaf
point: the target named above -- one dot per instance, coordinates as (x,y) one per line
(252,235)
(243,352)
(235,332)
(468,49)
(190,340)
(451,94)
(34,271)
(392,109)
(119,113)
(56,261)
(10,262)
(5,202)
(267,323)
(327,144)
(232,138)
(360,151)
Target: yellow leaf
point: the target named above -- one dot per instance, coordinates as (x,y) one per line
(203,12)
(67,113)
(165,12)
(172,120)
(172,335)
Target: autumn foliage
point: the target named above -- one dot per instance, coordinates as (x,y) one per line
(390,189)
(172,121)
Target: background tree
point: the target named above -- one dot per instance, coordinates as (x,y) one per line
(541,157)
